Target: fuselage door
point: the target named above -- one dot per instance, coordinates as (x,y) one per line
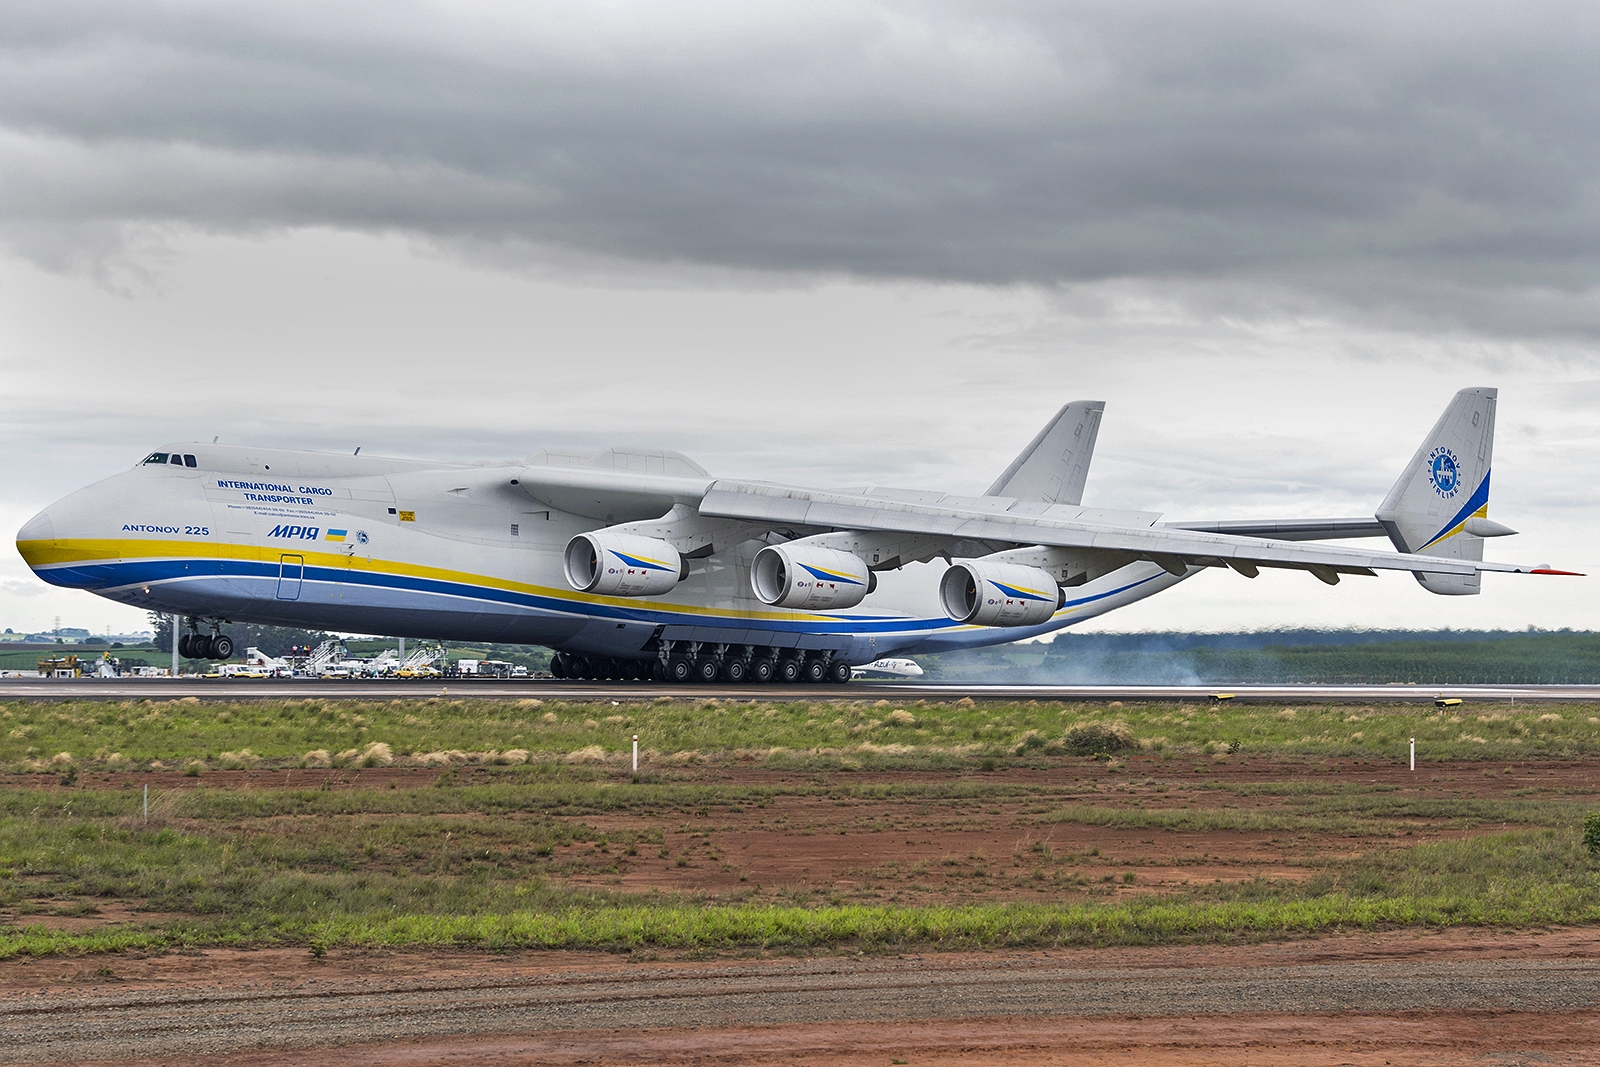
(291,568)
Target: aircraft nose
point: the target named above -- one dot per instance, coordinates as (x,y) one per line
(39,528)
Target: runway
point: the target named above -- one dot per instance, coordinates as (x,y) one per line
(1365,999)
(552,689)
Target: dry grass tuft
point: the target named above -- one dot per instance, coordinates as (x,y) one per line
(1095,738)
(377,754)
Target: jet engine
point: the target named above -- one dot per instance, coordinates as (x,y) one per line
(807,576)
(999,594)
(619,564)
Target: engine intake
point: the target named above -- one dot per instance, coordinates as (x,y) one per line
(999,594)
(615,564)
(810,577)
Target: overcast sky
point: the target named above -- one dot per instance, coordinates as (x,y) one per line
(837,244)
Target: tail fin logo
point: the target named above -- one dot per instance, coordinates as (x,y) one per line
(1444,471)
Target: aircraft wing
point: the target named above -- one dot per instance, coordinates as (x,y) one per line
(1171,547)
(1288,529)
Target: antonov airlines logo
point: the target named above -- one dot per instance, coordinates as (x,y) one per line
(300,533)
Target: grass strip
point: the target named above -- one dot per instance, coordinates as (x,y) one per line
(1518,879)
(840,734)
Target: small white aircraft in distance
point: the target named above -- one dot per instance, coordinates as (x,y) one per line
(639,564)
(888,668)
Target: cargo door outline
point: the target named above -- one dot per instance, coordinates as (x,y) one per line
(291,571)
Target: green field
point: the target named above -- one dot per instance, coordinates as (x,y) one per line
(835,733)
(520,818)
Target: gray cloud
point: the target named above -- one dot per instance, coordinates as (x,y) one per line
(1419,166)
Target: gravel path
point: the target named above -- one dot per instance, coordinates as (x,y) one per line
(57,1026)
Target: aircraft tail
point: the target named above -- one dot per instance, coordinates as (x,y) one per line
(1054,466)
(1440,505)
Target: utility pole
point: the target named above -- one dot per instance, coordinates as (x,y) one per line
(175,646)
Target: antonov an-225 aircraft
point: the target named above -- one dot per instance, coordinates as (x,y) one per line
(640,564)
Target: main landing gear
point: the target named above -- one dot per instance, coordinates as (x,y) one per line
(192,644)
(679,662)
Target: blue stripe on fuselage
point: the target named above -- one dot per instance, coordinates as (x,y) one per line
(126,573)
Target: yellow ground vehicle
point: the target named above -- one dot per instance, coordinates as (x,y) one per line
(417,672)
(60,666)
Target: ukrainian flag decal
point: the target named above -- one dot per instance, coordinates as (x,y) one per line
(336,535)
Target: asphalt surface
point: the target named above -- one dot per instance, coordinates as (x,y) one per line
(551,689)
(57,1026)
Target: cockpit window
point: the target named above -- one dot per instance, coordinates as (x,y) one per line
(188,460)
(176,458)
(156,457)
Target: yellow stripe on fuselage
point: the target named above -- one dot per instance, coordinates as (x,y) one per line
(110,550)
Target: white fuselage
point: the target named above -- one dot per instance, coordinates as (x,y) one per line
(403,548)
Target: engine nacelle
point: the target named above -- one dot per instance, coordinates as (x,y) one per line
(999,594)
(618,564)
(810,577)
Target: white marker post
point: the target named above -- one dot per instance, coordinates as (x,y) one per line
(1413,753)
(175,646)
(635,752)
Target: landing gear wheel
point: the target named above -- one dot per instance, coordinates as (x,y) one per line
(679,670)
(838,672)
(579,667)
(200,647)
(558,666)
(658,671)
(815,671)
(733,671)
(222,646)
(761,670)
(706,670)
(789,671)
(184,641)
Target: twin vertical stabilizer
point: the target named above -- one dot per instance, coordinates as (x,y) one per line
(1054,466)
(1440,505)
